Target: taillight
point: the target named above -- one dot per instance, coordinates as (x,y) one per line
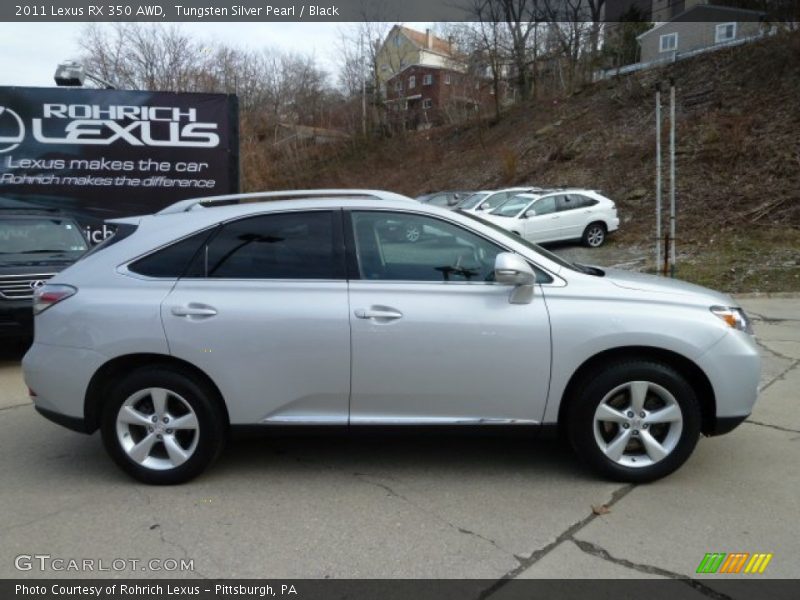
(50,294)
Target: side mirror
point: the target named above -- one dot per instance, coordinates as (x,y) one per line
(512,269)
(531,212)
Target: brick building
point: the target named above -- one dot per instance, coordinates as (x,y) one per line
(422,96)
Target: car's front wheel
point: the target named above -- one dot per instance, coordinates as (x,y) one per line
(161,426)
(634,421)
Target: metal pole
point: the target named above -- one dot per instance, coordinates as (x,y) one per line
(658,176)
(672,175)
(363,89)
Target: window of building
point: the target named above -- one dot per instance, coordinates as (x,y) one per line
(412,82)
(725,32)
(669,42)
(427,79)
(427,103)
(447,78)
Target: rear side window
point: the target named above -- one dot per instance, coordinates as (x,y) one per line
(172,261)
(582,201)
(298,245)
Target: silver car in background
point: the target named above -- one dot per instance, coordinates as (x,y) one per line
(310,310)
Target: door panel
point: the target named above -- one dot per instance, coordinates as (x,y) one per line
(278,350)
(459,352)
(263,310)
(434,339)
(545,225)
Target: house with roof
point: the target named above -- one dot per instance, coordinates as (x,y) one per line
(689,26)
(422,96)
(404,47)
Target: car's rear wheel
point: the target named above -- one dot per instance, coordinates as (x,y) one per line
(161,426)
(634,421)
(594,235)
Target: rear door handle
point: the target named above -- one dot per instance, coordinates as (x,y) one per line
(388,314)
(194,310)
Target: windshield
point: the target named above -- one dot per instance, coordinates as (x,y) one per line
(520,240)
(495,200)
(44,235)
(513,206)
(472,200)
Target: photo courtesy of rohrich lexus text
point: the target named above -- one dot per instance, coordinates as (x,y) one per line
(449,299)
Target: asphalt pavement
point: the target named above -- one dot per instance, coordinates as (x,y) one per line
(414,507)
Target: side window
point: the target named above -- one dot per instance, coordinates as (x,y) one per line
(173,261)
(298,245)
(545,206)
(406,247)
(582,201)
(565,202)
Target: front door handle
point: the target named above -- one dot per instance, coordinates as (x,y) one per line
(380,314)
(194,310)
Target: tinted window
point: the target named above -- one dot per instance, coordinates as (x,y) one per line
(440,252)
(282,246)
(545,206)
(565,202)
(582,201)
(172,261)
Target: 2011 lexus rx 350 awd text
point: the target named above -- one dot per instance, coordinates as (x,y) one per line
(307,309)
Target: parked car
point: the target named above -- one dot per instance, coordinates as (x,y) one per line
(219,314)
(34,245)
(495,199)
(472,200)
(444,199)
(558,215)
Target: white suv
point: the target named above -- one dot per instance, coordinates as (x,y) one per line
(312,309)
(558,215)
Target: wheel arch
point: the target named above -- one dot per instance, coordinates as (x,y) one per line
(110,372)
(685,366)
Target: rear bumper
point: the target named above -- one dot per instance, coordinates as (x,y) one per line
(74,423)
(59,377)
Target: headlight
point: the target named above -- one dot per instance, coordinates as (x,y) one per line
(733,317)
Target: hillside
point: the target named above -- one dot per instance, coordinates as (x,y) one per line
(738,159)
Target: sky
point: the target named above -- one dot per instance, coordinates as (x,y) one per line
(33,50)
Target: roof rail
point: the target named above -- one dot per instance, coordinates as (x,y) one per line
(231,199)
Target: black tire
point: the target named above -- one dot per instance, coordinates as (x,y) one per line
(211,431)
(593,388)
(594,235)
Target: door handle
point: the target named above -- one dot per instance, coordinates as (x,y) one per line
(388,314)
(194,310)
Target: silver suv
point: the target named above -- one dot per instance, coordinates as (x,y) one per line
(311,309)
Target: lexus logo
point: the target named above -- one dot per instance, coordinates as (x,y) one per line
(12,130)
(36,283)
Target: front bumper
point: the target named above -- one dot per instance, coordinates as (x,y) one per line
(733,366)
(16,318)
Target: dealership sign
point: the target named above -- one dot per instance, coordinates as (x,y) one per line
(99,154)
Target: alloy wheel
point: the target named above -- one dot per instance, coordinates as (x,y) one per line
(157,428)
(595,236)
(638,424)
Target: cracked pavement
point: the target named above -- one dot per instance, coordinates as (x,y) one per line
(418,506)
